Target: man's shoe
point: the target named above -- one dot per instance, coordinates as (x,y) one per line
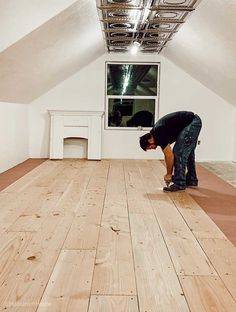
(173,188)
(192,185)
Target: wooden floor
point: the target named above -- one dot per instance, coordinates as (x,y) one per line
(101,236)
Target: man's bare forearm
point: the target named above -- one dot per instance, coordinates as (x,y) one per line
(169,160)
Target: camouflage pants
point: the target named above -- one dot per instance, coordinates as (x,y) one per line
(184,153)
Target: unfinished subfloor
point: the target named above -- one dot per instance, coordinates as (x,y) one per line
(101,236)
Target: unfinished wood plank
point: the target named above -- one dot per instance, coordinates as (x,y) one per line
(27,213)
(200,224)
(187,255)
(69,286)
(36,202)
(114,270)
(62,195)
(29,178)
(36,208)
(85,228)
(113,303)
(209,294)
(77,174)
(151,182)
(157,283)
(12,210)
(11,246)
(138,201)
(84,232)
(7,201)
(222,254)
(25,284)
(70,199)
(51,175)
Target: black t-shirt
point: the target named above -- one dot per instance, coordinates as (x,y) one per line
(167,128)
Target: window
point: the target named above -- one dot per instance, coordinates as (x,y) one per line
(132,92)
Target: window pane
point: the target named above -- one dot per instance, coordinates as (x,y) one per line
(132,79)
(131,112)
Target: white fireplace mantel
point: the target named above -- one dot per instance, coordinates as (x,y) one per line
(76,124)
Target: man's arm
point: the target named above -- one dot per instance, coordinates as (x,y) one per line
(169,160)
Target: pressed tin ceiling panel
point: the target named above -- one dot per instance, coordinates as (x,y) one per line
(151,23)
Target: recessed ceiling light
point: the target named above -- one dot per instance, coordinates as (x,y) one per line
(135,47)
(120,25)
(118,14)
(119,34)
(119,1)
(163,26)
(167,14)
(156,35)
(171,2)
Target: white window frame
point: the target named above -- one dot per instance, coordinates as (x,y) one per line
(155,98)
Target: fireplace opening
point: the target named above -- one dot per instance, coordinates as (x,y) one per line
(75,148)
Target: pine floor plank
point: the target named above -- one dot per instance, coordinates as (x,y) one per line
(209,294)
(13,209)
(200,224)
(35,210)
(114,269)
(138,202)
(28,211)
(157,283)
(186,253)
(26,181)
(68,171)
(67,209)
(113,303)
(85,228)
(25,284)
(7,203)
(68,289)
(63,194)
(222,254)
(51,175)
(11,246)
(70,199)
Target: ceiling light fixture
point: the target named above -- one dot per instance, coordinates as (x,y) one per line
(135,47)
(142,20)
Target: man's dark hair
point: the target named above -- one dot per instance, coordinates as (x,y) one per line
(143,141)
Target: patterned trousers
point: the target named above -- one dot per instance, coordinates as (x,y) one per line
(184,153)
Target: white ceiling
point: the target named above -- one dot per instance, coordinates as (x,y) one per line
(19,17)
(51,53)
(46,41)
(205,47)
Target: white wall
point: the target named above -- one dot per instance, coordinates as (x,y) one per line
(178,91)
(14,133)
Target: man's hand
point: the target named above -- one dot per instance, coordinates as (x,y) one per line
(167,178)
(169,160)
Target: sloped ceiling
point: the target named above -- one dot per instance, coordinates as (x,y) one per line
(205,47)
(19,18)
(52,52)
(46,41)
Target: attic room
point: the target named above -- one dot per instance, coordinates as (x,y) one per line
(86,223)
